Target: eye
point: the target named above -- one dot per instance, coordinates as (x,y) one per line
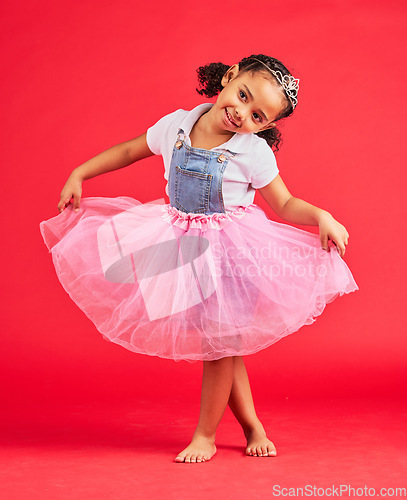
(257,117)
(242,94)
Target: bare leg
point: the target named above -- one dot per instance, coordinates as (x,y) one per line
(242,406)
(216,386)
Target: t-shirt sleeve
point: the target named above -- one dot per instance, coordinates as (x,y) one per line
(264,167)
(157,135)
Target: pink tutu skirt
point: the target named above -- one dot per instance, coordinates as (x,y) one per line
(161,282)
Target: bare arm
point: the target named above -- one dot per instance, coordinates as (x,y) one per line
(298,211)
(116,157)
(287,206)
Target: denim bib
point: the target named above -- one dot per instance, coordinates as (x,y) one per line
(195,178)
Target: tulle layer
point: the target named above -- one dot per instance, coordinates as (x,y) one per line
(191,286)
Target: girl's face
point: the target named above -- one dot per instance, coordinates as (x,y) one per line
(248,103)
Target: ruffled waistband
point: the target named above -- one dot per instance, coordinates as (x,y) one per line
(200,221)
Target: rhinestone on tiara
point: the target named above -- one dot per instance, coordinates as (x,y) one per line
(288,82)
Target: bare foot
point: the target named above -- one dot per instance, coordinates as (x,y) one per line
(201,449)
(258,445)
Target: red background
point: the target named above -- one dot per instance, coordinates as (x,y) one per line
(79,77)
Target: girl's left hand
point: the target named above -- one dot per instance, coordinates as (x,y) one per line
(331,229)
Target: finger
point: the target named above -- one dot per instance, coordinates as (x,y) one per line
(76,202)
(62,204)
(328,245)
(324,242)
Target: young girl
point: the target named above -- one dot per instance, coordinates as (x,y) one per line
(207,276)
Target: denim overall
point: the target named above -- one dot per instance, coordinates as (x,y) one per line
(195,178)
(195,185)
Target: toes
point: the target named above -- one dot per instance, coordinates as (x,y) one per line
(271,449)
(191,457)
(272,452)
(266,450)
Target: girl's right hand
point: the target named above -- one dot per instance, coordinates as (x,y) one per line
(72,189)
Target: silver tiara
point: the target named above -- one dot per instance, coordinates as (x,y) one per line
(288,82)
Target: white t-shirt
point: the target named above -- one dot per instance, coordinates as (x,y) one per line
(253,166)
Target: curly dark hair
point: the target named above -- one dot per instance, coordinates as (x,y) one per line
(210,76)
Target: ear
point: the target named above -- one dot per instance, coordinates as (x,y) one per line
(267,127)
(230,74)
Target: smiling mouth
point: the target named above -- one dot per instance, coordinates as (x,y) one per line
(230,118)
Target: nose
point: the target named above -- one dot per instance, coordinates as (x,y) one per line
(239,115)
